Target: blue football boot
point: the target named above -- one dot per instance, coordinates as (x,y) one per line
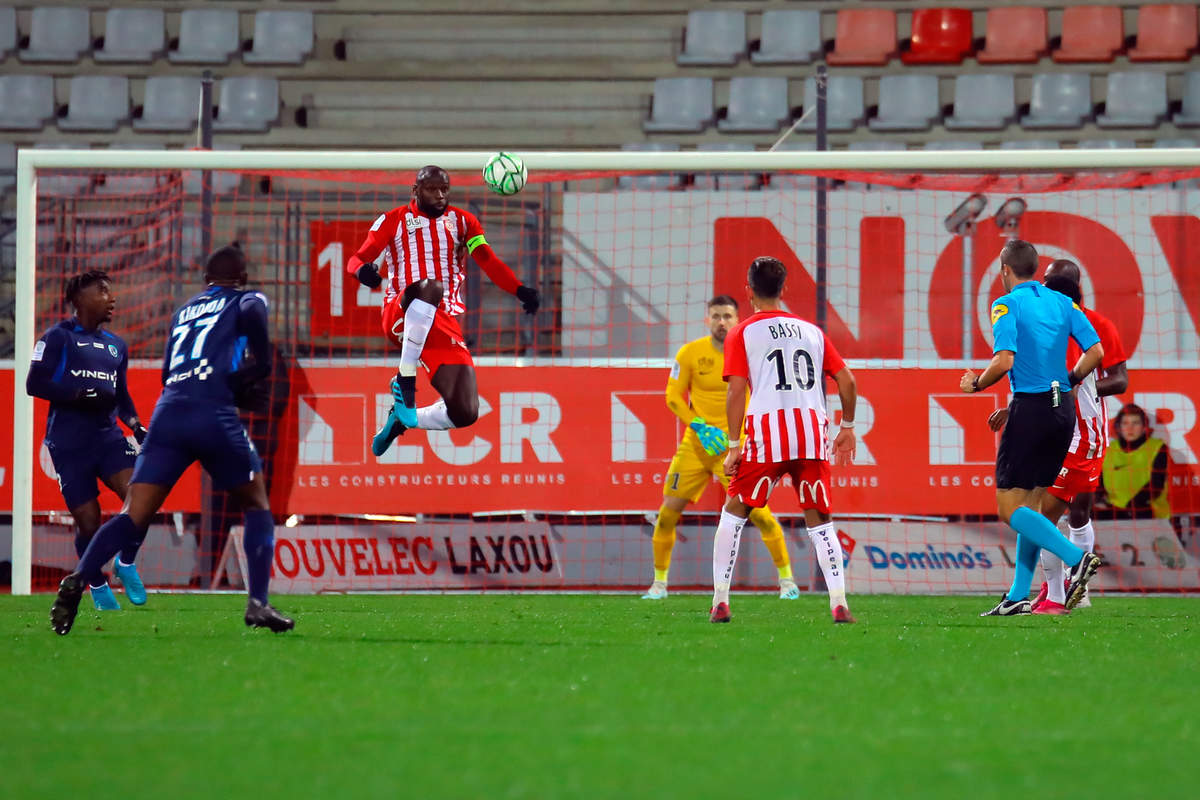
(104,598)
(400,418)
(135,590)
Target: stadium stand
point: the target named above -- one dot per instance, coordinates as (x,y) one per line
(789,36)
(132,35)
(649,182)
(906,103)
(26,101)
(865,37)
(1090,33)
(1059,100)
(983,101)
(281,37)
(1014,35)
(714,38)
(8,166)
(756,105)
(172,103)
(58,33)
(1165,33)
(98,103)
(248,103)
(680,105)
(939,36)
(726,180)
(1189,114)
(206,36)
(1134,100)
(844,103)
(8,31)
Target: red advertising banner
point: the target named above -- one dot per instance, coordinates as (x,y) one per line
(340,305)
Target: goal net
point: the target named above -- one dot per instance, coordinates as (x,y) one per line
(558,483)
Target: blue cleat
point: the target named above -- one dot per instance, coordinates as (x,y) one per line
(406,415)
(104,598)
(788,590)
(135,590)
(387,434)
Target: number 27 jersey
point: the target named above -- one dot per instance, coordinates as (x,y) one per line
(210,336)
(785,359)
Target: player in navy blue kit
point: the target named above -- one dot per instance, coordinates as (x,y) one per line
(217,356)
(80,368)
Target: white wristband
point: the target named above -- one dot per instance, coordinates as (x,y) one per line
(848,425)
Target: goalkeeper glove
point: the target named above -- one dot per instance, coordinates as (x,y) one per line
(712,439)
(529,298)
(368,275)
(139,434)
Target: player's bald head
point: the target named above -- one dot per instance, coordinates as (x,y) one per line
(1064,267)
(227,265)
(431,173)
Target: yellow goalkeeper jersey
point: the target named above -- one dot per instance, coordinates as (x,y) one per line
(696,387)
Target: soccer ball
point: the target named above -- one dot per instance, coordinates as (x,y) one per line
(505,174)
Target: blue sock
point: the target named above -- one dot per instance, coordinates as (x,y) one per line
(1042,533)
(81,543)
(259,541)
(108,541)
(1027,560)
(129,551)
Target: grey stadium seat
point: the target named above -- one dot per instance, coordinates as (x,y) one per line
(26,101)
(876,145)
(133,35)
(907,103)
(97,103)
(58,33)
(660,180)
(680,105)
(206,36)
(281,37)
(1189,115)
(714,37)
(8,31)
(66,183)
(1175,144)
(1029,144)
(8,166)
(952,144)
(756,104)
(249,104)
(844,103)
(171,103)
(1106,144)
(982,102)
(1134,100)
(1060,100)
(726,180)
(789,36)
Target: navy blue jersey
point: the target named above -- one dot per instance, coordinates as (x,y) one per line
(82,374)
(217,338)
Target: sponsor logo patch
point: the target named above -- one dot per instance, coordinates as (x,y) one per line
(998,311)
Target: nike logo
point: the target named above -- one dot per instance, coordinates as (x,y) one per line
(82,344)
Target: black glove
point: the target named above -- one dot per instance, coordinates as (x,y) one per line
(368,275)
(529,298)
(139,434)
(95,400)
(254,397)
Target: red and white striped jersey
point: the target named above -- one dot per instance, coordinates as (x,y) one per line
(785,359)
(415,246)
(1091,416)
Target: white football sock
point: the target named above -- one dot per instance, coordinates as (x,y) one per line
(418,319)
(829,556)
(434,417)
(725,551)
(1084,537)
(1054,570)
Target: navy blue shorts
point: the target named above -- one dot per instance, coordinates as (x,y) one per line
(79,467)
(1035,440)
(182,433)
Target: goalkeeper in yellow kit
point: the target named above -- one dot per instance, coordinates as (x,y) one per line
(696,394)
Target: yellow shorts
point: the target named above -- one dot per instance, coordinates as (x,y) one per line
(692,470)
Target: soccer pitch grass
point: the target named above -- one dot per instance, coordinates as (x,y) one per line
(542,696)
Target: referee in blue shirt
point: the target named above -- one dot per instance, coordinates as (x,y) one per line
(1030,326)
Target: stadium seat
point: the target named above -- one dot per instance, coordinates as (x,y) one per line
(873,145)
(1134,100)
(983,102)
(713,37)
(1015,35)
(1029,144)
(1060,100)
(739,181)
(682,105)
(171,103)
(843,105)
(26,101)
(281,37)
(247,104)
(1105,144)
(126,183)
(222,182)
(1165,33)
(97,103)
(8,166)
(756,104)
(8,31)
(1090,33)
(906,103)
(58,33)
(1189,115)
(133,35)
(1175,144)
(658,181)
(939,36)
(789,36)
(206,36)
(792,181)
(952,144)
(65,183)
(865,37)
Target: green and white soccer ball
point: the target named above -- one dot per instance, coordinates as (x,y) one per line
(505,174)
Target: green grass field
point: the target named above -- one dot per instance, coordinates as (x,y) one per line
(585,696)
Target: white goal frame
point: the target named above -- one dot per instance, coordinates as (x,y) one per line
(30,161)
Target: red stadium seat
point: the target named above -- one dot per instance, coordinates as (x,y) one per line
(939,36)
(1015,35)
(1090,33)
(1165,33)
(865,36)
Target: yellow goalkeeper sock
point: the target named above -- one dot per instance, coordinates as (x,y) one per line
(772,536)
(664,541)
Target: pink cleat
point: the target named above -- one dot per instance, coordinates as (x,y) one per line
(720,613)
(1050,608)
(842,614)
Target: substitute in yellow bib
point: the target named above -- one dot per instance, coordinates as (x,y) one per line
(696,394)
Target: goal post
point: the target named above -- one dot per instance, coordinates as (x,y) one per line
(1166,164)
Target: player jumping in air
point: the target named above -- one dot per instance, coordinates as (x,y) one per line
(696,394)
(783,360)
(80,368)
(217,357)
(1080,473)
(424,246)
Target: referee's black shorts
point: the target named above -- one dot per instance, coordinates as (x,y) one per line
(1035,440)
